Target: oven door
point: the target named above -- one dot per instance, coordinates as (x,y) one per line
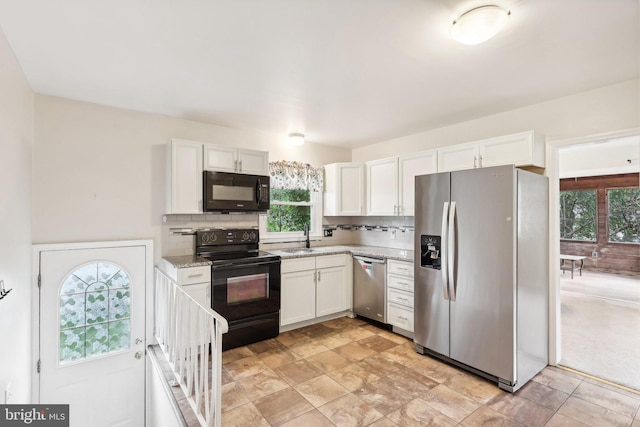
(244,289)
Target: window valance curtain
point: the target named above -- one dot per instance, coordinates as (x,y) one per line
(295,176)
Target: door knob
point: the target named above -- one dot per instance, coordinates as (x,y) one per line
(138,355)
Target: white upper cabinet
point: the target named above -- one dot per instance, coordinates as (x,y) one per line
(410,166)
(520,149)
(391,182)
(382,187)
(344,189)
(457,157)
(222,158)
(184,166)
(253,162)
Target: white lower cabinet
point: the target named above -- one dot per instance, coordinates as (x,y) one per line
(297,296)
(201,292)
(196,281)
(312,287)
(400,296)
(330,291)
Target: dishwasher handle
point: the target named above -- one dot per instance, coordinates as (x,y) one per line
(369,260)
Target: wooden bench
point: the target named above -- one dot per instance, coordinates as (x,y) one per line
(572,266)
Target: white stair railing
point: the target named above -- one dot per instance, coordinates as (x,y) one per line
(185,331)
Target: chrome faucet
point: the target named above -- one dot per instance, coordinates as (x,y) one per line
(307,243)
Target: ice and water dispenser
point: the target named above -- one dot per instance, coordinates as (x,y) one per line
(430,254)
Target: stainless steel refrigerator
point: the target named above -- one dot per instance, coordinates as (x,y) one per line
(481,271)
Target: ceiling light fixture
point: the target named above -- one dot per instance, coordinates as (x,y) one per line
(479,24)
(296,139)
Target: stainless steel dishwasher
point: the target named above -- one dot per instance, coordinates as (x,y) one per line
(369,290)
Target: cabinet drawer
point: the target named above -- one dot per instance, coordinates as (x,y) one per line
(400,282)
(325,261)
(401,317)
(298,264)
(400,267)
(187,276)
(399,297)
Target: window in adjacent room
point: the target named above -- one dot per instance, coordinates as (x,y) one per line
(296,200)
(623,212)
(578,215)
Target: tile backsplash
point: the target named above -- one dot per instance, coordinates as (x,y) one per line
(389,232)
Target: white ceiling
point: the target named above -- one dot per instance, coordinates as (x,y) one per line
(344,72)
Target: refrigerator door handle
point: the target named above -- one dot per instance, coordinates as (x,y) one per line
(443,250)
(451,251)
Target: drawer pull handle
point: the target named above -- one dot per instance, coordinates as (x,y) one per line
(402,318)
(402,299)
(196,275)
(403,283)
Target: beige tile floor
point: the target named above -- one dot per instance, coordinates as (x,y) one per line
(346,372)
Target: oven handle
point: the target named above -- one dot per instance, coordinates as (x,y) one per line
(236,265)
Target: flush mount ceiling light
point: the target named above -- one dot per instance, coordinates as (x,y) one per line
(296,139)
(479,24)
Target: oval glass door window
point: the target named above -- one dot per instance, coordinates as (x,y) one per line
(95,312)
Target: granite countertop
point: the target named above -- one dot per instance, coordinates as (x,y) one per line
(372,251)
(186,261)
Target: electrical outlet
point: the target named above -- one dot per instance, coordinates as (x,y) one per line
(328,232)
(594,254)
(8,394)
(393,234)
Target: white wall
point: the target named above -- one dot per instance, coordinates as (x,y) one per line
(16,141)
(610,157)
(99,172)
(597,111)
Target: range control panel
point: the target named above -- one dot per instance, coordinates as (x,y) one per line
(227,236)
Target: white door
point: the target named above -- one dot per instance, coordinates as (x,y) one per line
(92,330)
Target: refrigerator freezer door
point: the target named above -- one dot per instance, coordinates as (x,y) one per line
(482,319)
(431,303)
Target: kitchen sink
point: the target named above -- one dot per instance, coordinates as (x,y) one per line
(299,250)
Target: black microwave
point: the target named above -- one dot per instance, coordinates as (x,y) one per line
(235,192)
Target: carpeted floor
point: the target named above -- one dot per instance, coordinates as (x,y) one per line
(601,326)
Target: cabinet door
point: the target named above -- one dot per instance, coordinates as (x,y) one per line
(331,291)
(184,191)
(220,158)
(297,297)
(522,149)
(457,157)
(344,189)
(253,162)
(400,316)
(409,167)
(382,187)
(201,292)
